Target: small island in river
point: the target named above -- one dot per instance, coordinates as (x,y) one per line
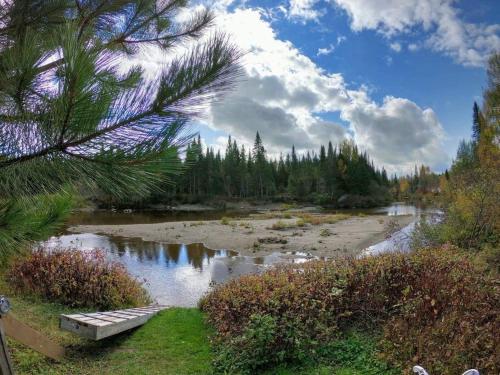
(322,235)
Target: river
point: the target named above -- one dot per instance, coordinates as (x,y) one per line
(179,274)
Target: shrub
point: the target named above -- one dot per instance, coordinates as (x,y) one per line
(225,220)
(432,306)
(449,319)
(76,278)
(248,352)
(281,225)
(325,232)
(300,223)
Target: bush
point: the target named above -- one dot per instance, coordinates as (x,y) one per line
(325,232)
(281,225)
(225,220)
(76,278)
(251,350)
(432,306)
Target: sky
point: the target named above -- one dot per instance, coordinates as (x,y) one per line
(399,77)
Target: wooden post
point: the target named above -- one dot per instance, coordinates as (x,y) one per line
(32,338)
(5,362)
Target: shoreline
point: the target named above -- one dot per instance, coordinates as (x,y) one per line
(260,236)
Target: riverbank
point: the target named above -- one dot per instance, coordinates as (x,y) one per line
(318,234)
(176,341)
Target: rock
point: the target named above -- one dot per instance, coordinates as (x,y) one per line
(273,240)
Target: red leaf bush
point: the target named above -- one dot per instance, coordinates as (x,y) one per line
(76,278)
(433,307)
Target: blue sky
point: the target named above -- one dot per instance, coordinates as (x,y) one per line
(397,76)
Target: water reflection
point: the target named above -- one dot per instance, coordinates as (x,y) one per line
(175,274)
(401,239)
(395,209)
(106,217)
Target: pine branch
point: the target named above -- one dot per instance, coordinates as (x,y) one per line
(75,115)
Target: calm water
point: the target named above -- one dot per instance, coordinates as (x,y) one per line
(175,274)
(149,217)
(400,240)
(179,274)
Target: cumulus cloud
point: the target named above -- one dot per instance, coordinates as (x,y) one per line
(304,10)
(284,95)
(468,44)
(287,98)
(397,133)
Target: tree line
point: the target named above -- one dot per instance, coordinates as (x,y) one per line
(339,175)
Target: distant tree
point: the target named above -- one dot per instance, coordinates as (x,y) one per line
(476,123)
(261,171)
(322,178)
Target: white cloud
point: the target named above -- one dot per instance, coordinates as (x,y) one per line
(325,51)
(331,47)
(284,94)
(468,44)
(396,46)
(304,10)
(413,47)
(397,133)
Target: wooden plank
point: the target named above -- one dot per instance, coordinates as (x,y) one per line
(117,315)
(5,362)
(107,318)
(31,338)
(80,328)
(96,326)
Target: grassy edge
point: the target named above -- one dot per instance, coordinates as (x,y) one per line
(176,341)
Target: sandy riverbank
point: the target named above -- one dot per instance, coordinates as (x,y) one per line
(255,236)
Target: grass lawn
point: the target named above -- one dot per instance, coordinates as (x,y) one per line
(173,342)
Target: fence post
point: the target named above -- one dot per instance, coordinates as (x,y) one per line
(5,362)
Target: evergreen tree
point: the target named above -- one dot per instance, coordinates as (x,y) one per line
(322,177)
(476,123)
(261,168)
(70,118)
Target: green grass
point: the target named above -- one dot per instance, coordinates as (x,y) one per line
(176,341)
(173,342)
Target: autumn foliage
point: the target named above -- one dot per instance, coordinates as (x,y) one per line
(76,278)
(432,307)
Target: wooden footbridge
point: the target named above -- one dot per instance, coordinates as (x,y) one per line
(93,326)
(99,325)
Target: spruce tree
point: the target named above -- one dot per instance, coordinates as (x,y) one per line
(477,120)
(259,157)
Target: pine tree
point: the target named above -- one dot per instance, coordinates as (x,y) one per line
(476,123)
(71,118)
(261,170)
